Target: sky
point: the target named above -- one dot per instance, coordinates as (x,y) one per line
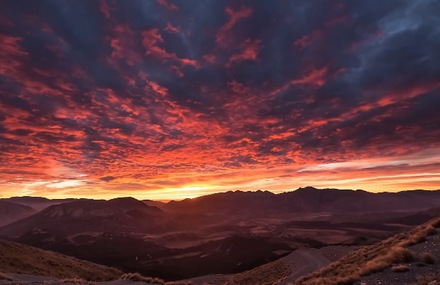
(162,99)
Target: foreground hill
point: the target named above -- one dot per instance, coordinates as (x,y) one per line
(11,212)
(116,215)
(19,258)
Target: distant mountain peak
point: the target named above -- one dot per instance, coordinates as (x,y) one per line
(307,188)
(126,201)
(28,198)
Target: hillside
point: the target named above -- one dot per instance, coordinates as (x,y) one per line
(116,215)
(11,212)
(19,258)
(408,257)
(282,271)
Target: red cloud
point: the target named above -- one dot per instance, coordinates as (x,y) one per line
(123,41)
(157,88)
(234,17)
(104,8)
(151,39)
(167,4)
(10,54)
(249,51)
(307,40)
(172,29)
(315,77)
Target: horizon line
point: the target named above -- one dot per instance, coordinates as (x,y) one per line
(220,192)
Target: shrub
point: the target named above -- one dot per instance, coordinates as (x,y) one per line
(375,265)
(427,258)
(399,254)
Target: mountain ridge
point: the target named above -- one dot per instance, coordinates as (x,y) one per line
(115,215)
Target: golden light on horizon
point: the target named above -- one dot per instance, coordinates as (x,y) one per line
(416,171)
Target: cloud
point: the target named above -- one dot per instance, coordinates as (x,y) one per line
(216,95)
(234,16)
(249,51)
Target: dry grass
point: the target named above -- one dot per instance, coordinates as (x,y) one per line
(73,281)
(372,258)
(400,268)
(141,278)
(22,259)
(399,254)
(430,230)
(435,223)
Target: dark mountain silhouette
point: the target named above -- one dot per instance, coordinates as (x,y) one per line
(11,212)
(131,215)
(117,215)
(153,203)
(38,203)
(232,202)
(306,200)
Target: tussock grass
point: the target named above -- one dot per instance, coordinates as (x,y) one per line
(73,280)
(399,254)
(435,223)
(141,278)
(400,268)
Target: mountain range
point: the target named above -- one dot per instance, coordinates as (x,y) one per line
(218,233)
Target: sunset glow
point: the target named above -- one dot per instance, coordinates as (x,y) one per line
(176,99)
